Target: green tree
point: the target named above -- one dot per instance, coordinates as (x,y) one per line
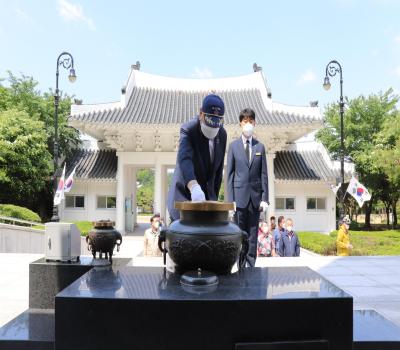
(387,157)
(145,193)
(24,158)
(21,93)
(363,120)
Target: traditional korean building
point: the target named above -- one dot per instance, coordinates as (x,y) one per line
(141,130)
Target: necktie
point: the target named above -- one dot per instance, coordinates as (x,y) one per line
(247,150)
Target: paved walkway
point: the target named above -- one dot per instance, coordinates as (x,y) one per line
(374,282)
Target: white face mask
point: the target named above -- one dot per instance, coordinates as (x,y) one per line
(289,228)
(248,129)
(208,131)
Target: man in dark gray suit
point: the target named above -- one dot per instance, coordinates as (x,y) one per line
(248,180)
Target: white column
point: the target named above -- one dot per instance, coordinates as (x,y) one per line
(160,181)
(164,210)
(271,183)
(133,195)
(120,217)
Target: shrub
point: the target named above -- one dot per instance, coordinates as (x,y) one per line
(354,226)
(17,212)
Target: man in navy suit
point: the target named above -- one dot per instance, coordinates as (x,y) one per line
(248,180)
(200,160)
(290,244)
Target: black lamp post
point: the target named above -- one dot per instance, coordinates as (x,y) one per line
(333,68)
(65,60)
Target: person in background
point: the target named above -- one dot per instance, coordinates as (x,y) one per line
(343,238)
(265,244)
(279,230)
(150,239)
(272,223)
(290,243)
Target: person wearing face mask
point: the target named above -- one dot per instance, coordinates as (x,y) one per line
(265,244)
(289,243)
(200,159)
(278,232)
(150,240)
(343,238)
(248,180)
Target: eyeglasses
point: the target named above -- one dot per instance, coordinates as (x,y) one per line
(215,121)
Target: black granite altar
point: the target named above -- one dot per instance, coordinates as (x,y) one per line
(47,278)
(304,345)
(373,331)
(147,308)
(31,330)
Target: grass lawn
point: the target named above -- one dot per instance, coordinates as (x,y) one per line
(83,226)
(364,242)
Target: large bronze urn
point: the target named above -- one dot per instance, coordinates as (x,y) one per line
(204,238)
(103,238)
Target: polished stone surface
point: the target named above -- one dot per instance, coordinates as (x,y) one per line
(47,278)
(149,308)
(372,331)
(33,329)
(305,345)
(157,283)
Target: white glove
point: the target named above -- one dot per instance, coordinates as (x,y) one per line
(197,194)
(264,206)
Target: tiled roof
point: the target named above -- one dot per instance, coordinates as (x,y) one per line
(289,165)
(158,106)
(94,164)
(303,165)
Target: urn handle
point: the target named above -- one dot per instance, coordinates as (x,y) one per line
(119,241)
(88,244)
(245,249)
(161,239)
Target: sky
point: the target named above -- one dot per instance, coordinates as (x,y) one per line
(291,40)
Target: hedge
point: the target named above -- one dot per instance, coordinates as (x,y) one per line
(14,211)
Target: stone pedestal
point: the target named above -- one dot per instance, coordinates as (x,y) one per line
(46,279)
(258,308)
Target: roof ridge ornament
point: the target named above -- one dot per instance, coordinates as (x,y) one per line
(256,67)
(136,66)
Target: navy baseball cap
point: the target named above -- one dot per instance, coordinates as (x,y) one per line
(213,104)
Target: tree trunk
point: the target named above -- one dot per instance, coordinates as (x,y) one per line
(368,211)
(387,208)
(394,213)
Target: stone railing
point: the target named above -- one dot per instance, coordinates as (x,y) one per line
(21,239)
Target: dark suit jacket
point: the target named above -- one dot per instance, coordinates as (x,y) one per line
(247,180)
(193,163)
(289,247)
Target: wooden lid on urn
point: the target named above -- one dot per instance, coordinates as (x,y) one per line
(204,206)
